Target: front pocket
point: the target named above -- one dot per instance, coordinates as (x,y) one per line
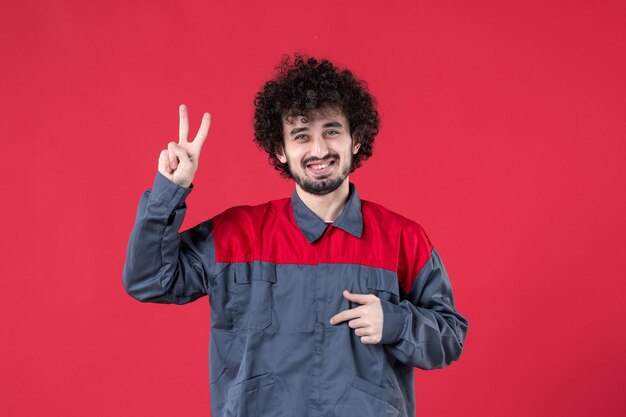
(252,397)
(384,286)
(365,399)
(253,295)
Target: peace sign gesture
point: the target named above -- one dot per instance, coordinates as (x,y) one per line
(179,161)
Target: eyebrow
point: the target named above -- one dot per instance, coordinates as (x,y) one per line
(298,130)
(303,129)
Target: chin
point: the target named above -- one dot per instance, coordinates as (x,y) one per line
(321,186)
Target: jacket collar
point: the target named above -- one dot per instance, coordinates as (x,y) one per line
(350,219)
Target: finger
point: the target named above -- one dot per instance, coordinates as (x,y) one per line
(358,323)
(358,298)
(164,162)
(173,160)
(203,131)
(183,125)
(363,331)
(180,153)
(369,340)
(346,315)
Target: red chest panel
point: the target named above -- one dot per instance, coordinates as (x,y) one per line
(269,232)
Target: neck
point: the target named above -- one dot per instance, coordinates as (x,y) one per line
(329,206)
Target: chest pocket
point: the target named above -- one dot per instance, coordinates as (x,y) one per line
(384,286)
(253,295)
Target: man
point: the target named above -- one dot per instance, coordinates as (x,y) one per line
(321,304)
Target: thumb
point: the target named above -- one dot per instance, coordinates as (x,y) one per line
(356,298)
(182,155)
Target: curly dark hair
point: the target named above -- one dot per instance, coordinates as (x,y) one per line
(303,86)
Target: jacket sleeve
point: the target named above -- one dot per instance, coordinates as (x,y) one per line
(424,330)
(163,266)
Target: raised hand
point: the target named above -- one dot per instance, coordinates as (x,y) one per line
(179,161)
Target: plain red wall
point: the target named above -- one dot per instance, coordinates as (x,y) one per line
(503,135)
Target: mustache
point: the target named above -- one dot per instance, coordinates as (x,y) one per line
(330,155)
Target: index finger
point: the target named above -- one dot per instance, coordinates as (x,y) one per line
(183,126)
(204,129)
(353,313)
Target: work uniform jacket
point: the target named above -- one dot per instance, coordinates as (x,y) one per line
(274,274)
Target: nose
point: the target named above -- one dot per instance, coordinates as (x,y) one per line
(319,147)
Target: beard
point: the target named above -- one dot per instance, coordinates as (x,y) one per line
(321,185)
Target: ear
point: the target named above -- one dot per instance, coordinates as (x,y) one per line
(355,147)
(280,154)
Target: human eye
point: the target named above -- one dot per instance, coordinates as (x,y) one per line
(332,133)
(301,138)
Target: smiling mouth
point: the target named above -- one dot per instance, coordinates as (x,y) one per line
(321,167)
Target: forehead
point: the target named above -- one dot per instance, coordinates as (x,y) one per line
(315,116)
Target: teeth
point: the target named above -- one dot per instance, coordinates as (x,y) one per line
(319,166)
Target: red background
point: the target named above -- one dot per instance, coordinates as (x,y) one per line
(503,135)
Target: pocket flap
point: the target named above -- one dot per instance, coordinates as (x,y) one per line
(382,282)
(247,272)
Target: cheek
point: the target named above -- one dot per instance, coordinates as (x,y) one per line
(293,163)
(294,158)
